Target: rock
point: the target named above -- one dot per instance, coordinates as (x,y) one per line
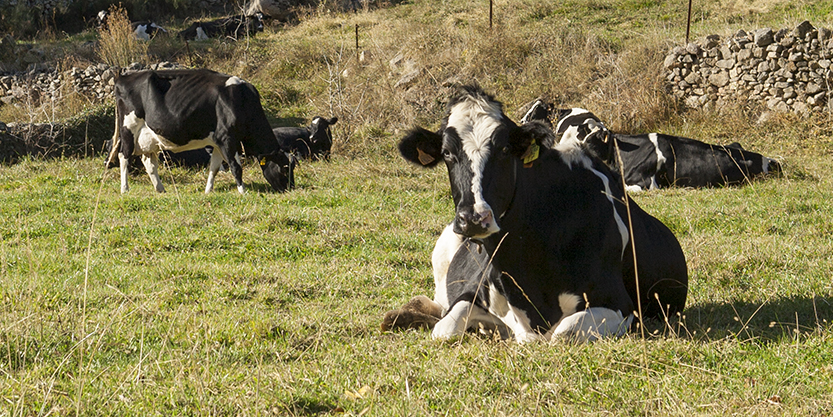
(719,80)
(764,37)
(803,29)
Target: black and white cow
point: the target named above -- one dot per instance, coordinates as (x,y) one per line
(314,141)
(144,30)
(180,110)
(656,160)
(235,27)
(540,241)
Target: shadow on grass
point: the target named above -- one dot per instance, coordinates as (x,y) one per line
(766,321)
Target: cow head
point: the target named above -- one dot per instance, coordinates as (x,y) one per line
(595,138)
(482,150)
(254,23)
(540,110)
(279,170)
(320,138)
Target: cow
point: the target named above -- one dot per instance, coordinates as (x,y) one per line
(144,30)
(180,110)
(540,241)
(655,160)
(235,27)
(312,142)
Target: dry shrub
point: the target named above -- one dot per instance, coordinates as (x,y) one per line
(118,45)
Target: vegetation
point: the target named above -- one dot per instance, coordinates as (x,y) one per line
(269,304)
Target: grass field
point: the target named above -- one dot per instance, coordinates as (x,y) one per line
(270,304)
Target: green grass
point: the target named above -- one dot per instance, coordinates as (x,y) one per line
(270,304)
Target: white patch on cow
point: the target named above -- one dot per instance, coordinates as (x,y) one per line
(213,167)
(765,165)
(592,324)
(201,36)
(234,81)
(573,112)
(148,144)
(141,32)
(528,115)
(569,147)
(635,188)
(147,141)
(475,121)
(462,316)
(569,303)
(514,318)
(151,163)
(124,165)
(653,137)
(444,250)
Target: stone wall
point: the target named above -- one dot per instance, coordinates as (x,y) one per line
(41,85)
(784,70)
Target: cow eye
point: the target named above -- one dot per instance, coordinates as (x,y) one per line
(505,150)
(447,154)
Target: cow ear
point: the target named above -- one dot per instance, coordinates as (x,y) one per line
(529,135)
(333,120)
(422,147)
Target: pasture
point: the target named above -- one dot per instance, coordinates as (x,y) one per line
(269,304)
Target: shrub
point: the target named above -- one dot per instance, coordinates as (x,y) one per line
(118,45)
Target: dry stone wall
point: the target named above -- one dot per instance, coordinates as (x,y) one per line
(41,85)
(784,70)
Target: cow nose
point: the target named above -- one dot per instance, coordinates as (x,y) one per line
(470,223)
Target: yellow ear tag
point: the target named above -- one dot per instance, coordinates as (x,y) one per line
(531,153)
(263,161)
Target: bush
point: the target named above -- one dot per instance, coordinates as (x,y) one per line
(119,46)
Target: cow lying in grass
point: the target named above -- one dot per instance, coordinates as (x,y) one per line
(314,142)
(541,246)
(656,160)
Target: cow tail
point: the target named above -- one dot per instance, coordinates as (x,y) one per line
(115,143)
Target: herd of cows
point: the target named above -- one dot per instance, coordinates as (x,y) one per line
(545,243)
(235,27)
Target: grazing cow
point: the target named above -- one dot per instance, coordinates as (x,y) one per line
(540,241)
(144,30)
(313,142)
(180,110)
(656,160)
(235,27)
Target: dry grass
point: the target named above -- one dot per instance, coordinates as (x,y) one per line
(118,45)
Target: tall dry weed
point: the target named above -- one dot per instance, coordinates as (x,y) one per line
(118,45)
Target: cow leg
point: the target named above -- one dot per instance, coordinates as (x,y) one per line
(124,167)
(234,160)
(213,167)
(151,163)
(461,317)
(591,324)
(444,251)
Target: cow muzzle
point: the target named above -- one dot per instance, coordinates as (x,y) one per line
(475,223)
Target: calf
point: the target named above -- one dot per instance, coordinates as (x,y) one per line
(655,160)
(313,142)
(180,110)
(539,241)
(235,27)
